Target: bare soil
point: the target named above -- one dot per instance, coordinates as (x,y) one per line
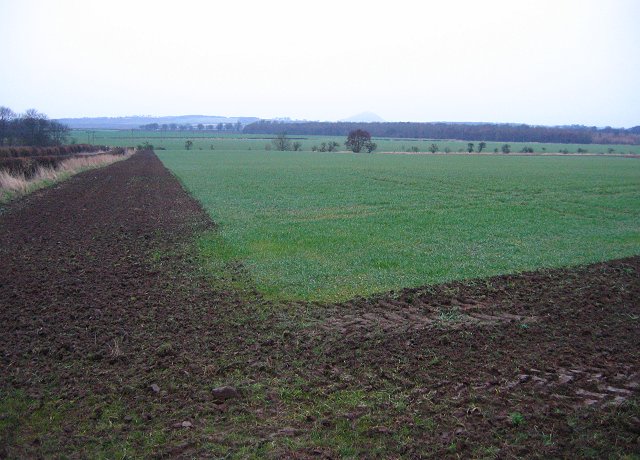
(115,342)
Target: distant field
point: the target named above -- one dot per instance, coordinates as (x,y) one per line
(332,226)
(208,140)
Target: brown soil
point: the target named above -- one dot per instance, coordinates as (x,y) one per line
(112,337)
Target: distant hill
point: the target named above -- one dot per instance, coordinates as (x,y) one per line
(364,117)
(135,122)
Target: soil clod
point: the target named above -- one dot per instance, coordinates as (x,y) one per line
(224,393)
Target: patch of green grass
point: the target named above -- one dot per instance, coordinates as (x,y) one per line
(37,427)
(331,226)
(6,196)
(345,422)
(589,431)
(449,315)
(516,418)
(24,420)
(12,407)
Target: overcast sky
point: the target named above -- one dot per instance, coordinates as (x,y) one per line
(540,61)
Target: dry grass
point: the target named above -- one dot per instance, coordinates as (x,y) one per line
(12,185)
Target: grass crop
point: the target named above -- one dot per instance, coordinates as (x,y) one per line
(12,185)
(332,226)
(212,140)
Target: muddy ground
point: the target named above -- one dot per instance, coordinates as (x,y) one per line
(115,341)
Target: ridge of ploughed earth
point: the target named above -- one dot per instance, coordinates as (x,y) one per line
(114,342)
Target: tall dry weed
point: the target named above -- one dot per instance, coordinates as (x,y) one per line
(17,184)
(11,182)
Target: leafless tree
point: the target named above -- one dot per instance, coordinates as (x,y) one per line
(6,117)
(282,142)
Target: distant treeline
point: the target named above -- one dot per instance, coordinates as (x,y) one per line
(462,131)
(237,126)
(30,128)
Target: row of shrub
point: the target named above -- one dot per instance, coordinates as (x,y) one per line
(62,150)
(27,166)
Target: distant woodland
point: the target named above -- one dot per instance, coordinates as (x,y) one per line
(461,131)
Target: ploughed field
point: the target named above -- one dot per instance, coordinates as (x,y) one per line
(122,337)
(331,226)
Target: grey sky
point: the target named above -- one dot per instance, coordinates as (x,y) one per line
(541,62)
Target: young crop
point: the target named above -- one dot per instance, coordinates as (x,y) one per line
(333,226)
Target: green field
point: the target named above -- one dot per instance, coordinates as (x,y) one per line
(332,226)
(210,140)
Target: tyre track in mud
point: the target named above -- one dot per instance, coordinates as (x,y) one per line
(567,321)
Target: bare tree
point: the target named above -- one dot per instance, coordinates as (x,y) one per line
(6,117)
(59,132)
(282,142)
(33,124)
